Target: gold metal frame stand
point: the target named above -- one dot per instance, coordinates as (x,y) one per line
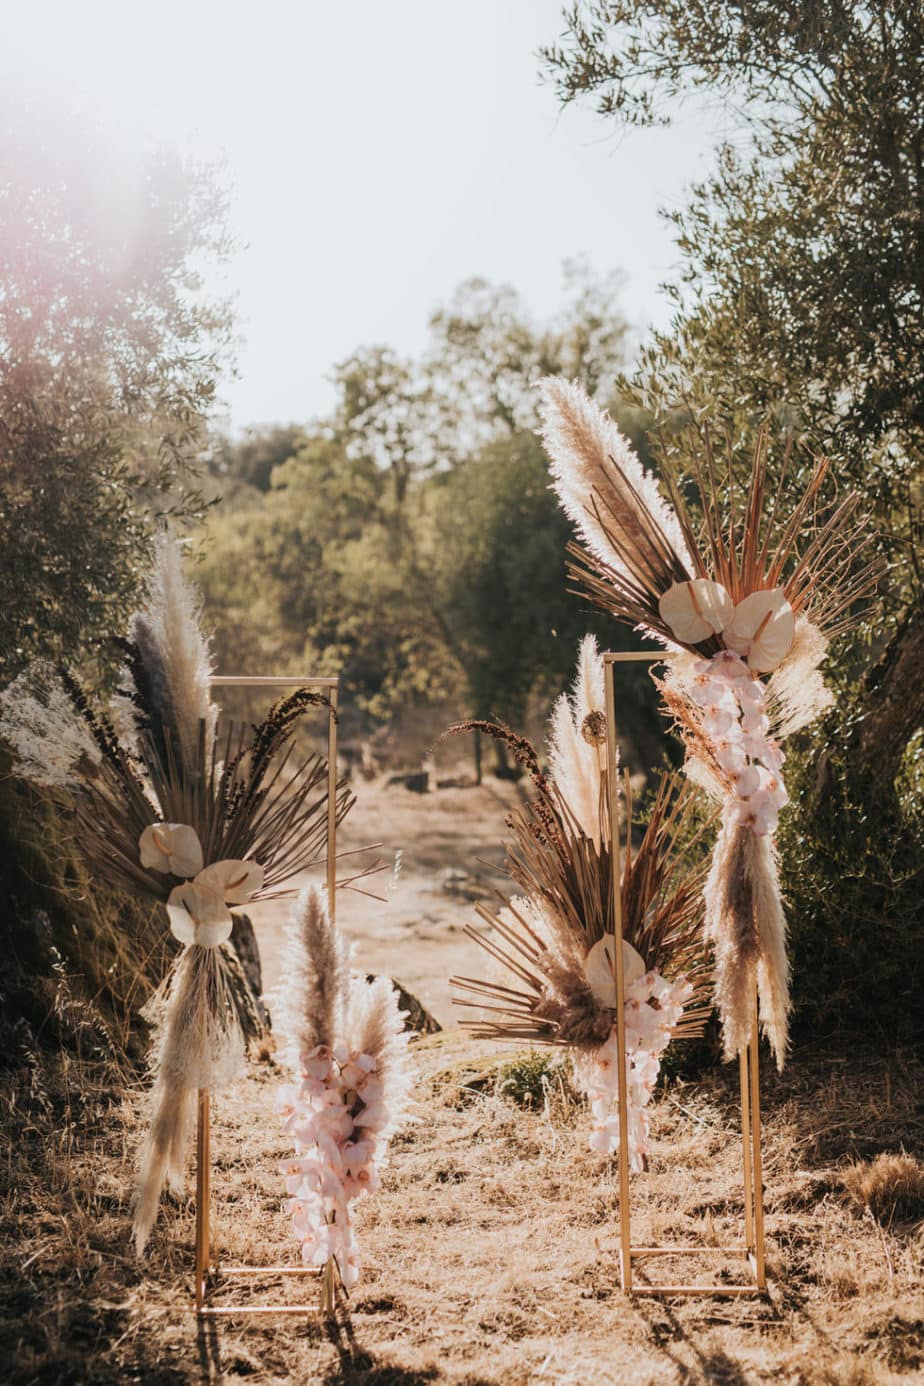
(205,1271)
(752,1252)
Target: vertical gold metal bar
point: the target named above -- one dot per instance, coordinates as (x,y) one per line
(759,1250)
(746,1138)
(612,787)
(203,1158)
(332,805)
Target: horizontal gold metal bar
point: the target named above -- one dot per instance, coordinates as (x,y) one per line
(741,1251)
(269,681)
(725,1291)
(216,1311)
(635,656)
(266,1270)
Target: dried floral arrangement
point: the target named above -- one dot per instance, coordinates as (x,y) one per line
(747,601)
(194,821)
(347,1047)
(555,938)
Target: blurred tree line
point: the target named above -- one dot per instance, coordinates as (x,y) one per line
(109,355)
(410,542)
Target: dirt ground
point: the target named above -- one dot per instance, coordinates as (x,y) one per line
(489,1254)
(448,846)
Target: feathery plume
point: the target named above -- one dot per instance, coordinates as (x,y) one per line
(315,996)
(612,500)
(577,743)
(198,1043)
(50,746)
(796,691)
(175,654)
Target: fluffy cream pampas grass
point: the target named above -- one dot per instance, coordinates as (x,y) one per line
(348,1048)
(577,743)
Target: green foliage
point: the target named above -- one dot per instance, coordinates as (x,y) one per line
(57,921)
(411,543)
(527,1078)
(800,293)
(800,300)
(854,877)
(498,564)
(252,461)
(108,360)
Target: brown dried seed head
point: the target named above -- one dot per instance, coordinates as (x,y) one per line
(593,728)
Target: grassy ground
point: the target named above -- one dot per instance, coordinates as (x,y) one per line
(490,1252)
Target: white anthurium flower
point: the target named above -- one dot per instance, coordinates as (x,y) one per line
(199,915)
(696,610)
(235,881)
(600,968)
(172,848)
(762,630)
(199,910)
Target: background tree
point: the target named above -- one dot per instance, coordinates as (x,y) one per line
(801,297)
(109,355)
(411,544)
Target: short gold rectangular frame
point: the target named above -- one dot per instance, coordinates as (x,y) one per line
(204,1271)
(752,1252)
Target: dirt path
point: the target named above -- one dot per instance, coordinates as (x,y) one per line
(451,853)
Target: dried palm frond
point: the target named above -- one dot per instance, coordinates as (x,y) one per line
(567,883)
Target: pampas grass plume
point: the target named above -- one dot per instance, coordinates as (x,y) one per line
(175,652)
(576,757)
(315,995)
(583,444)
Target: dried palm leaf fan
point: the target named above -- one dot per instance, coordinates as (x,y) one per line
(748,601)
(555,938)
(172,811)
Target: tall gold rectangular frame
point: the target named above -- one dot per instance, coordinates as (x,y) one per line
(203,1270)
(753,1250)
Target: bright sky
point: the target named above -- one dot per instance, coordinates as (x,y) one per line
(379,151)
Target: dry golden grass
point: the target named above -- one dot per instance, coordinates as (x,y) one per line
(490,1252)
(891,1187)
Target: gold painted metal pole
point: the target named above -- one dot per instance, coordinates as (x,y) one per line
(746,1140)
(332,805)
(757,1163)
(203,1158)
(612,789)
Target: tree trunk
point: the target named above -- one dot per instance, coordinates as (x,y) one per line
(891,709)
(892,703)
(476,751)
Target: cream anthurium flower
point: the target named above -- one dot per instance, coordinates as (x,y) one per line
(199,915)
(600,968)
(696,610)
(172,848)
(762,629)
(235,881)
(199,910)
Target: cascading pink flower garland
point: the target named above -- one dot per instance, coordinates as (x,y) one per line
(337,1118)
(736,724)
(653,1007)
